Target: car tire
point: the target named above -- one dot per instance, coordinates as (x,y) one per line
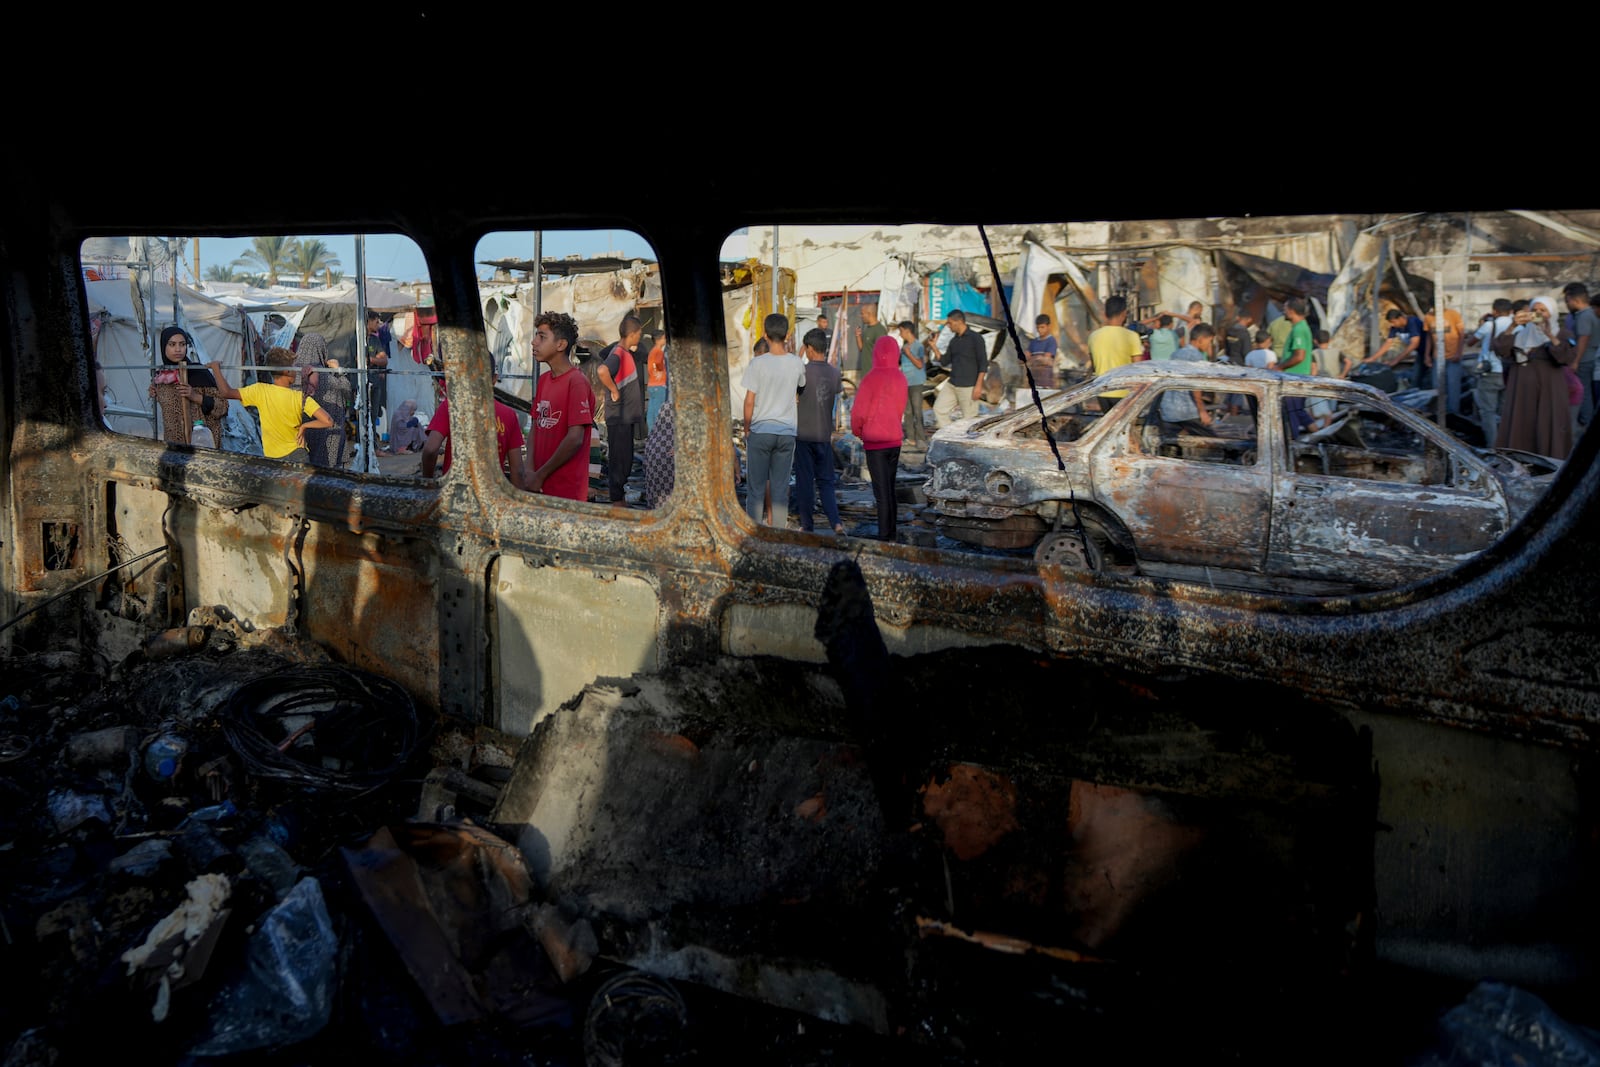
(1093,549)
(1070,550)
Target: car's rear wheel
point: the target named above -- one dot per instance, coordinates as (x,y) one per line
(1071,550)
(1090,547)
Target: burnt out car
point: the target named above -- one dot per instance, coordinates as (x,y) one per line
(1316,486)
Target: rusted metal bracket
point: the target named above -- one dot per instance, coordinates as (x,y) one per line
(292,545)
(177,611)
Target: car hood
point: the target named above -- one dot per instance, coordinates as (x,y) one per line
(1514,462)
(1526,476)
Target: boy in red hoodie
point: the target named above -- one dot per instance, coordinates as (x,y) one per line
(877,418)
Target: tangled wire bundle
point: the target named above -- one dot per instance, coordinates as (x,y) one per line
(325,727)
(635,1018)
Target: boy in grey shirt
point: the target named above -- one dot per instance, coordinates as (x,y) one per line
(813,454)
(771,383)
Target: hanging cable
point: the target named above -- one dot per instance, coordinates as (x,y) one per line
(1016,343)
(79,585)
(1044,423)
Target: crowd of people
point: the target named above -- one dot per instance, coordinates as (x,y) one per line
(1542,370)
(553,458)
(790,415)
(1535,383)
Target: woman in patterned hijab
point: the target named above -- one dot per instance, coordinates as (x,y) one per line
(181,402)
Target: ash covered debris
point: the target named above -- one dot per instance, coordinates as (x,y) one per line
(873,843)
(170,886)
(953,857)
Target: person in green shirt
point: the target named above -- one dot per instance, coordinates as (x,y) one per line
(867,335)
(1163,339)
(1278,330)
(1296,360)
(1296,357)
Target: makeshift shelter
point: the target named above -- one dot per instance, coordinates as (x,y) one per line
(332,313)
(598,301)
(1371,281)
(252,298)
(746,303)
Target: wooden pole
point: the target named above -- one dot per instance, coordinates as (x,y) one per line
(1438,343)
(1377,297)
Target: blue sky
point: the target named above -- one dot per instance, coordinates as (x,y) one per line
(398,257)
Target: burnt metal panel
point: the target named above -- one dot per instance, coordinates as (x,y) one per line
(701,550)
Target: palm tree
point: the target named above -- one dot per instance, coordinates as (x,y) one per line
(311,256)
(333,278)
(217,273)
(269,254)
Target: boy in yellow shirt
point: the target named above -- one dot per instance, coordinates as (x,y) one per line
(284,410)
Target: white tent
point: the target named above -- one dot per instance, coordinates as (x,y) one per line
(380,297)
(251,298)
(126,329)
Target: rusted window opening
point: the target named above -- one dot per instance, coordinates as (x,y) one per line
(60,541)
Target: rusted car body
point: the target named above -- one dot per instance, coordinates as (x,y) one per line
(1001,772)
(1376,497)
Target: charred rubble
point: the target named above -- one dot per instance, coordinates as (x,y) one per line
(229,846)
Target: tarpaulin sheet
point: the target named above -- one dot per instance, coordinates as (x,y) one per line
(1247,276)
(949,289)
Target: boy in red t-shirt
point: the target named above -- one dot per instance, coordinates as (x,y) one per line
(507,436)
(563,412)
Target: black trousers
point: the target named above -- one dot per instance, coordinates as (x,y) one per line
(619,457)
(377,396)
(881,465)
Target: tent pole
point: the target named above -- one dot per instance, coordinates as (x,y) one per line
(1377,296)
(174,254)
(363,386)
(148,310)
(1438,342)
(538,294)
(178,251)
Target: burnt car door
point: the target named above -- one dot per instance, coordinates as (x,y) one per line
(1372,496)
(1184,496)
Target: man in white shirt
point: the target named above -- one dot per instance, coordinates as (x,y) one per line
(1491,376)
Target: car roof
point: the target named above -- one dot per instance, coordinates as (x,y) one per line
(1167,368)
(1154,369)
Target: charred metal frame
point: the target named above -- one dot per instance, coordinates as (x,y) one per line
(701,554)
(402,575)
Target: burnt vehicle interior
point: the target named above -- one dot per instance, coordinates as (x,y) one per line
(1362,441)
(535,779)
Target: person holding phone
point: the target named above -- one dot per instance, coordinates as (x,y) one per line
(1536,413)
